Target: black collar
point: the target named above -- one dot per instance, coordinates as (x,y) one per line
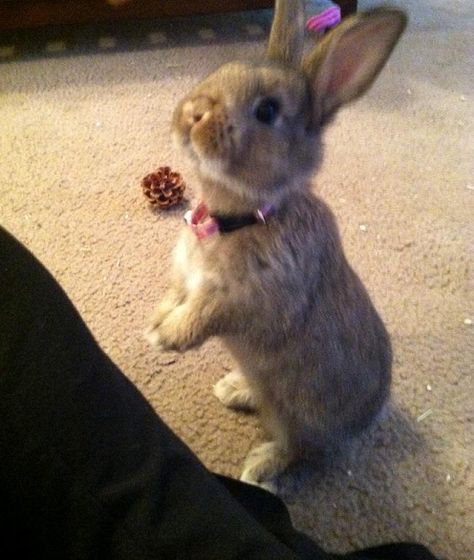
(204,224)
(228,222)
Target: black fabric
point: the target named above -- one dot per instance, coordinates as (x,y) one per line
(394,551)
(227,224)
(88,470)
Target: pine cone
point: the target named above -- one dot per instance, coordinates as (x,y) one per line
(164,188)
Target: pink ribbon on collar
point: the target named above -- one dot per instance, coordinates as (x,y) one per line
(199,220)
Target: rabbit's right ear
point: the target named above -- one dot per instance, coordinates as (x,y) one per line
(287,34)
(347,61)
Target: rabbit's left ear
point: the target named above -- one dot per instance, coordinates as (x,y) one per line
(348,59)
(287,34)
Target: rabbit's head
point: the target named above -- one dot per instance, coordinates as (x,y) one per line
(254,127)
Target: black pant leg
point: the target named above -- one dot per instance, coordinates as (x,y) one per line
(87,469)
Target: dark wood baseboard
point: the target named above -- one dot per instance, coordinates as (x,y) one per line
(24,14)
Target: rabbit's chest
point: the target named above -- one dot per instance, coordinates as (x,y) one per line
(190,263)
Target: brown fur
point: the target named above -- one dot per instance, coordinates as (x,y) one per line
(314,357)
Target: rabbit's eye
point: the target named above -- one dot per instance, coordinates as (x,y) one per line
(267,110)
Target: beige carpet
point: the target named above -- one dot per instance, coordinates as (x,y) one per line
(78,130)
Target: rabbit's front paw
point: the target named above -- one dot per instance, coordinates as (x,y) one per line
(234,392)
(155,337)
(152,334)
(164,308)
(263,464)
(176,332)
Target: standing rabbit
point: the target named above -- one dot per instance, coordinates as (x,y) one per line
(260,263)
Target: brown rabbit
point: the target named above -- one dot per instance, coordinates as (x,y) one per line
(261,263)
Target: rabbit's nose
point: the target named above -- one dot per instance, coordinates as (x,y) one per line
(195,109)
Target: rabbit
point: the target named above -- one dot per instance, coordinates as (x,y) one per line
(260,264)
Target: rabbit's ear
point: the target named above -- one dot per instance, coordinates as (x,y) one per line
(346,62)
(287,34)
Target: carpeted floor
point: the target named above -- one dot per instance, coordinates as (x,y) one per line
(80,124)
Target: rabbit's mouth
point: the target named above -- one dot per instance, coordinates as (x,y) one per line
(204,130)
(210,161)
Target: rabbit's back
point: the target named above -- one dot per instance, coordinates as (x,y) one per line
(315,348)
